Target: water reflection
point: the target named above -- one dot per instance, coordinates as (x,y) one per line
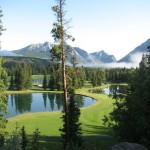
(40,102)
(115,89)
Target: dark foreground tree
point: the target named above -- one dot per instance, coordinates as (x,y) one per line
(131,113)
(75,131)
(24,140)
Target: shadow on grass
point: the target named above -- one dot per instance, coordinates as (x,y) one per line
(89,142)
(95,137)
(97,130)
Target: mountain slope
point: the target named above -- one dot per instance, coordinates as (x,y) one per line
(83,57)
(7,53)
(36,50)
(136,53)
(103,57)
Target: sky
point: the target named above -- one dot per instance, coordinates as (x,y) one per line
(115,26)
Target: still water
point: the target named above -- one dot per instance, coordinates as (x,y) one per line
(41,102)
(115,89)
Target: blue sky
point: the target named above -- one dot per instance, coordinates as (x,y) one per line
(116,26)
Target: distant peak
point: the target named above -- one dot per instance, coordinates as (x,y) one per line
(46,43)
(102,51)
(148,40)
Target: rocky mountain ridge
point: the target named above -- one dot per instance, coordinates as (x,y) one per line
(42,50)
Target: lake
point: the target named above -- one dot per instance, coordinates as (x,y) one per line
(41,102)
(115,89)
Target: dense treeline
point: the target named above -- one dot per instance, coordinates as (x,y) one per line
(54,82)
(117,75)
(95,75)
(98,76)
(20,76)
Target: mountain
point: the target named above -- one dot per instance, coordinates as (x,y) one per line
(7,53)
(136,54)
(40,50)
(103,57)
(83,57)
(96,57)
(100,58)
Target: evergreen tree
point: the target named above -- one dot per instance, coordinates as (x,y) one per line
(75,130)
(59,32)
(11,85)
(45,81)
(52,81)
(15,140)
(24,140)
(3,98)
(28,73)
(60,35)
(131,113)
(94,79)
(23,77)
(35,144)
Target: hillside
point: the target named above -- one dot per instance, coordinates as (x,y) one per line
(136,54)
(38,65)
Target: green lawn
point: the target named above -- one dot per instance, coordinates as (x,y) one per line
(50,122)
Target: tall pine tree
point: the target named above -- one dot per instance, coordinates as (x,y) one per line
(71,128)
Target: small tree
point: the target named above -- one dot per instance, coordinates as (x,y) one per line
(35,144)
(24,140)
(75,130)
(45,81)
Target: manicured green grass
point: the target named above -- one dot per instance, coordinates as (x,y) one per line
(37,76)
(50,122)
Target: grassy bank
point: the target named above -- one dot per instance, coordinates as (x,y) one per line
(50,122)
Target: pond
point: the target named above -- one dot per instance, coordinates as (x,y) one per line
(114,89)
(41,102)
